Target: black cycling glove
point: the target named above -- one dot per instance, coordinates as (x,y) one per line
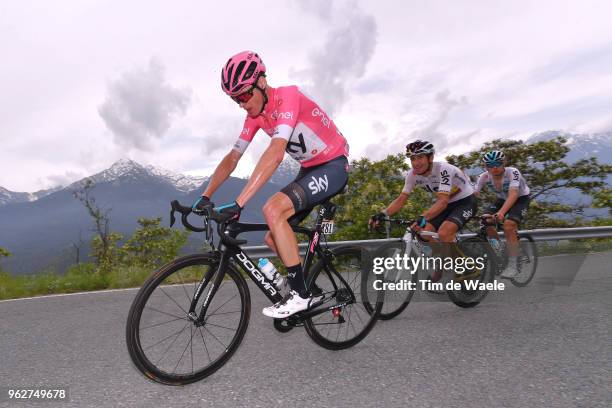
(201,204)
(229,212)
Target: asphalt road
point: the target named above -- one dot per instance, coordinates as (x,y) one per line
(546,345)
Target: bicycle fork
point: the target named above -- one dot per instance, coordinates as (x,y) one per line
(217,278)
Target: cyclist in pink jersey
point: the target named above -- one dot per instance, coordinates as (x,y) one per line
(299,127)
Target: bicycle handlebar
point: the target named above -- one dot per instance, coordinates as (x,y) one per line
(209,214)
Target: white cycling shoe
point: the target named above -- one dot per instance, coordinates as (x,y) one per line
(292,303)
(510,272)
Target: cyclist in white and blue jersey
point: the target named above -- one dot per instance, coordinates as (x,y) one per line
(511,205)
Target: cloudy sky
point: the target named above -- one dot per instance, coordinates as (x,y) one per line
(85,83)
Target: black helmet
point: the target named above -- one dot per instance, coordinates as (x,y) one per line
(419,147)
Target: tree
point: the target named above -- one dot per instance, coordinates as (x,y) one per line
(152,244)
(3,254)
(104,248)
(372,186)
(547,176)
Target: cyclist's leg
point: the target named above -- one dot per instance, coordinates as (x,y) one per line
(491,210)
(511,224)
(459,213)
(314,186)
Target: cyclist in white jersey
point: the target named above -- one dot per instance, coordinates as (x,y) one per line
(511,205)
(455,201)
(298,126)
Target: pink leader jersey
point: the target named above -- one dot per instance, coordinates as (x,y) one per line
(312,137)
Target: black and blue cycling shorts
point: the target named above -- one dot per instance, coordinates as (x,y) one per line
(315,185)
(517,212)
(458,212)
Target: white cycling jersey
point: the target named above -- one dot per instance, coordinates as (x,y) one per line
(512,178)
(444,178)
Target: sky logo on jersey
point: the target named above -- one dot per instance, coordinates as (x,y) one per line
(445,178)
(318,184)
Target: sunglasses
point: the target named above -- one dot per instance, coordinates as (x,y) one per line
(494,165)
(243,97)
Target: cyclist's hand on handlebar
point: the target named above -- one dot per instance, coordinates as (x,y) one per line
(375,220)
(200,206)
(500,217)
(419,224)
(229,212)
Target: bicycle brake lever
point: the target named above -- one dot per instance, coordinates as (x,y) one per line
(172,218)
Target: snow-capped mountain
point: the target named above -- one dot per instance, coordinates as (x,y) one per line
(582,145)
(123,169)
(9,197)
(127,190)
(129,169)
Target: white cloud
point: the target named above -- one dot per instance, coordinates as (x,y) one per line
(334,68)
(141,105)
(500,69)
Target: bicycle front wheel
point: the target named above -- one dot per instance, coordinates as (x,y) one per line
(343,283)
(527,261)
(165,343)
(395,301)
(472,291)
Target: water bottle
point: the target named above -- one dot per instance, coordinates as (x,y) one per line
(426,250)
(495,245)
(271,273)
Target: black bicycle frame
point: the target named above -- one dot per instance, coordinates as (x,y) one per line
(326,212)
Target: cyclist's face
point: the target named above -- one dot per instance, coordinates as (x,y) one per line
(254,105)
(420,163)
(496,170)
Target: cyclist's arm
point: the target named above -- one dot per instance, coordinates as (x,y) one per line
(437,207)
(396,204)
(267,165)
(480,183)
(222,172)
(513,194)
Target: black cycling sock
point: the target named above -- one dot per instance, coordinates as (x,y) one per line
(296,280)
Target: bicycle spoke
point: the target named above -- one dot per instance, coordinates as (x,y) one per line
(168,314)
(171,344)
(166,338)
(221,314)
(217,325)
(204,343)
(159,324)
(172,299)
(186,347)
(215,337)
(224,303)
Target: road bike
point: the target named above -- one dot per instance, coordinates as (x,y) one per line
(527,261)
(468,293)
(190,316)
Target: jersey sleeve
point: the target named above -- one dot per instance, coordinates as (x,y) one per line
(446,179)
(409,183)
(515,178)
(482,179)
(287,112)
(246,136)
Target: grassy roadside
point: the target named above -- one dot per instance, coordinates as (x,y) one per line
(79,278)
(84,278)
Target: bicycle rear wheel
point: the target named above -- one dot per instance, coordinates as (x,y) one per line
(168,346)
(395,301)
(343,283)
(527,261)
(471,294)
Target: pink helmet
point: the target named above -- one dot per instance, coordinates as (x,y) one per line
(241,70)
